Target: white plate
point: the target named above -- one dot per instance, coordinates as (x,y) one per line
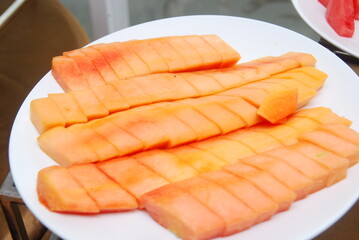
(252,39)
(313,13)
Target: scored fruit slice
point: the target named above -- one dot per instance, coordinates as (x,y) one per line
(200,160)
(246,111)
(299,183)
(303,164)
(203,127)
(333,144)
(132,176)
(257,141)
(85,65)
(175,61)
(252,95)
(177,131)
(322,115)
(281,194)
(108,195)
(89,104)
(181,213)
(205,85)
(135,62)
(110,98)
(45,114)
(236,215)
(228,150)
(68,74)
(229,55)
(59,192)
(103,148)
(153,60)
(54,141)
(285,134)
(341,131)
(191,57)
(69,108)
(336,165)
(166,165)
(225,119)
(124,142)
(100,64)
(212,58)
(149,133)
(263,206)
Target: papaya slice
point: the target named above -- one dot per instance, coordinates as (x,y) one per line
(59,192)
(85,65)
(213,59)
(150,134)
(236,215)
(132,176)
(166,204)
(278,104)
(110,98)
(100,63)
(228,150)
(134,61)
(263,206)
(227,79)
(177,85)
(124,142)
(254,96)
(45,114)
(268,67)
(333,144)
(226,120)
(132,92)
(336,165)
(69,108)
(67,74)
(277,191)
(304,60)
(89,104)
(103,148)
(108,195)
(192,58)
(285,134)
(303,164)
(246,111)
(115,60)
(257,141)
(341,131)
(200,160)
(311,71)
(178,132)
(229,55)
(293,179)
(152,88)
(148,55)
(205,85)
(166,165)
(202,126)
(322,115)
(54,141)
(175,61)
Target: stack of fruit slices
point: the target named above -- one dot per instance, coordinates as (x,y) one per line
(184,129)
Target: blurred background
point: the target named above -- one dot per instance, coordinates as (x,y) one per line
(38,30)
